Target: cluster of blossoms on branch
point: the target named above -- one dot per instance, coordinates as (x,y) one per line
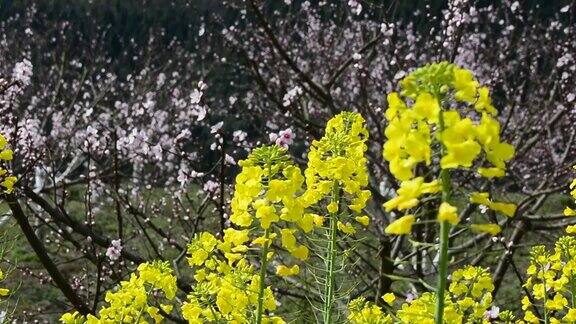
(284,138)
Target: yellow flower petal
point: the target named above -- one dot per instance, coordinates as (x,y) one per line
(364,220)
(448,213)
(346,228)
(492,229)
(285,271)
(389,298)
(401,226)
(491,172)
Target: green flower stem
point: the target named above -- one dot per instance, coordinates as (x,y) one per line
(572,291)
(331,258)
(542,266)
(263,266)
(148,293)
(444,237)
(263,262)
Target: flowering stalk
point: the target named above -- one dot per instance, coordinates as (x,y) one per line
(337,175)
(416,124)
(545,291)
(262,284)
(443,261)
(444,237)
(572,291)
(263,260)
(331,257)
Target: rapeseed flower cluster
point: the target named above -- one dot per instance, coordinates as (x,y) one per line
(552,283)
(131,301)
(7,181)
(336,177)
(442,119)
(337,170)
(361,311)
(226,289)
(268,177)
(268,191)
(266,206)
(3,291)
(468,300)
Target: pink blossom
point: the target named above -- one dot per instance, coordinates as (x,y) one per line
(114,251)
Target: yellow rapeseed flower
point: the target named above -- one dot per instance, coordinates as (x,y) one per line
(448,213)
(492,229)
(401,226)
(285,271)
